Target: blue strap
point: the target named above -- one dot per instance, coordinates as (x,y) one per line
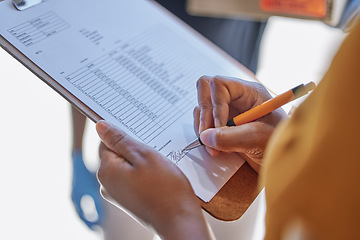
(84,187)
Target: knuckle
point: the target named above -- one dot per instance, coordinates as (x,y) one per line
(147,153)
(220,138)
(202,81)
(107,168)
(260,91)
(144,151)
(203,118)
(101,173)
(206,107)
(117,139)
(102,153)
(216,81)
(258,86)
(256,153)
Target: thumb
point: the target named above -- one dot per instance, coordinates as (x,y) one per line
(122,144)
(109,134)
(215,138)
(114,138)
(245,138)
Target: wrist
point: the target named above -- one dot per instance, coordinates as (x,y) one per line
(187,222)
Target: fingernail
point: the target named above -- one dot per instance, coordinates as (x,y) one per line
(102,127)
(208,137)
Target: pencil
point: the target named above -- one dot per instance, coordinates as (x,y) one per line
(262,109)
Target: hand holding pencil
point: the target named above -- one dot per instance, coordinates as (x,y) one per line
(222,98)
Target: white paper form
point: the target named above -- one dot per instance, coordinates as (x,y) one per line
(132,64)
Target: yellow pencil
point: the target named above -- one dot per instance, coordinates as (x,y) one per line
(262,109)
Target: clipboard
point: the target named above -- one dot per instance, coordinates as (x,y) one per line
(233,199)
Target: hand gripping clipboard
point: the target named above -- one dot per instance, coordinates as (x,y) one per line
(229,204)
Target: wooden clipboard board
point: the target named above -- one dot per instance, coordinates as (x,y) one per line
(230,203)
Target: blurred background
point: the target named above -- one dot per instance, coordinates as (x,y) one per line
(36,131)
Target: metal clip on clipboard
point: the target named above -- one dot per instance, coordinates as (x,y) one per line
(25,4)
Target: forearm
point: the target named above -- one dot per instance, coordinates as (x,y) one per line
(190,226)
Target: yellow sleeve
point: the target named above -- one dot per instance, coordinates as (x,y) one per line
(311,168)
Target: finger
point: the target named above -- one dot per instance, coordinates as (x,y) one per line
(196,115)
(249,95)
(249,138)
(111,165)
(255,163)
(229,92)
(220,97)
(109,159)
(205,104)
(231,97)
(119,142)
